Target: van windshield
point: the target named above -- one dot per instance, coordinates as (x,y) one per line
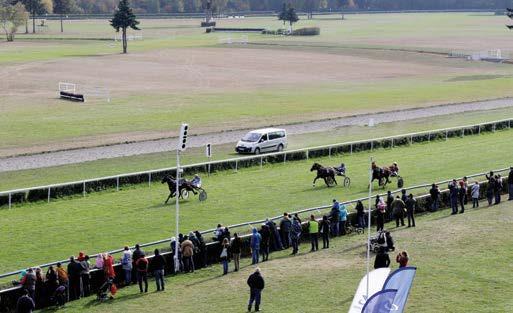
(251,137)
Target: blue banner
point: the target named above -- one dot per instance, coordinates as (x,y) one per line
(401,279)
(381,302)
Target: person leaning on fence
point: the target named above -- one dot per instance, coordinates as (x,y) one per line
(295,235)
(141,266)
(256,284)
(25,303)
(324,229)
(275,235)
(85,276)
(342,220)
(434,192)
(52,281)
(453,196)
(360,214)
(399,208)
(225,254)
(380,213)
(313,232)
(74,270)
(498,188)
(157,265)
(490,188)
(202,247)
(462,193)
(474,192)
(62,276)
(41,291)
(255,240)
(285,225)
(108,266)
(126,264)
(411,203)
(510,183)
(187,248)
(236,247)
(265,233)
(335,217)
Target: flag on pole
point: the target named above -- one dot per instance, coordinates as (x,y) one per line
(377,279)
(381,302)
(401,279)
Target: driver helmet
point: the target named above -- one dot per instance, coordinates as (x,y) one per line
(342,165)
(395,163)
(196,176)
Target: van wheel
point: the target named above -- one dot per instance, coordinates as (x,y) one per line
(257,151)
(280,148)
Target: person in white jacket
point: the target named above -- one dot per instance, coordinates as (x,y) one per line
(126,263)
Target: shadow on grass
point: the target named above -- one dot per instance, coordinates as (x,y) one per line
(94,302)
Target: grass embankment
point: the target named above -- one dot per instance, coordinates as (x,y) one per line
(108,167)
(107,220)
(463,266)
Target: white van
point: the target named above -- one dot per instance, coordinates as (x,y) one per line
(263,140)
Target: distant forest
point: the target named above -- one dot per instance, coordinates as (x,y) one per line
(226,6)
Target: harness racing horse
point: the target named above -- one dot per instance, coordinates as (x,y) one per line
(171,182)
(326,173)
(381,174)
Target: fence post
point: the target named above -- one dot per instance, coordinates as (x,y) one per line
(479,130)
(411,140)
(463,133)
(351,149)
(329,152)
(10,203)
(236,165)
(208,167)
(392,142)
(83,189)
(261,161)
(49,194)
(285,158)
(117,183)
(446,134)
(493,128)
(429,137)
(307,152)
(149,179)
(372,145)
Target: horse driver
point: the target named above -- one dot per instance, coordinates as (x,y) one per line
(394,170)
(341,169)
(196,181)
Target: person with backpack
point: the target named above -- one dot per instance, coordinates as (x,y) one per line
(236,247)
(158,264)
(255,241)
(141,266)
(256,284)
(324,228)
(225,257)
(126,264)
(313,232)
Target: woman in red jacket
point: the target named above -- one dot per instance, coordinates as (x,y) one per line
(108,266)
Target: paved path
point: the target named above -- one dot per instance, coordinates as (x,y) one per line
(162,145)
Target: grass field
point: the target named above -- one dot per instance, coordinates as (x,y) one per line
(188,74)
(107,167)
(107,220)
(457,272)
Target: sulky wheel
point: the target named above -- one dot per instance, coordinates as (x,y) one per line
(347,182)
(202,195)
(185,194)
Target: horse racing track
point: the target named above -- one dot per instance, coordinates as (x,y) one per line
(107,220)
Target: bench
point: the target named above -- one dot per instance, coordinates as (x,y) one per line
(72,96)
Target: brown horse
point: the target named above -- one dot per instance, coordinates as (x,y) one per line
(381,174)
(326,173)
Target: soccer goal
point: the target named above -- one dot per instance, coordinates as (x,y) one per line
(67,87)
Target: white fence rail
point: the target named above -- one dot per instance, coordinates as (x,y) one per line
(250,223)
(305,153)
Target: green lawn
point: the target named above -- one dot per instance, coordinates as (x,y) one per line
(457,271)
(107,220)
(108,167)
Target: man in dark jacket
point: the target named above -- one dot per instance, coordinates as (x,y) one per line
(335,217)
(74,273)
(157,265)
(382,258)
(390,199)
(285,226)
(510,183)
(264,244)
(435,197)
(25,303)
(453,196)
(410,210)
(398,206)
(256,285)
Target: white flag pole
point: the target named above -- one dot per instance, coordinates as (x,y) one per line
(369,227)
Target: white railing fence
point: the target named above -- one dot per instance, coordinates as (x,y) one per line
(48,192)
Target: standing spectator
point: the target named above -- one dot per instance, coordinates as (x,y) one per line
(84,276)
(225,245)
(255,246)
(360,214)
(126,264)
(175,249)
(187,248)
(399,209)
(389,201)
(202,249)
(195,243)
(411,203)
(108,266)
(453,196)
(62,276)
(490,189)
(324,228)
(474,190)
(265,233)
(498,189)
(25,303)
(256,285)
(236,247)
(404,197)
(335,217)
(380,213)
(295,235)
(74,270)
(218,233)
(510,183)
(275,235)
(52,280)
(382,258)
(313,231)
(285,225)
(138,252)
(434,192)
(41,291)
(462,193)
(342,220)
(465,186)
(157,265)
(141,266)
(402,259)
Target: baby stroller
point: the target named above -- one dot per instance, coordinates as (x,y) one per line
(103,292)
(382,239)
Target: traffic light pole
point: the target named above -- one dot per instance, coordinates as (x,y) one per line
(177,196)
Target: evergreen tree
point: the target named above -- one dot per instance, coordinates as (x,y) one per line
(291,16)
(124,18)
(283,14)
